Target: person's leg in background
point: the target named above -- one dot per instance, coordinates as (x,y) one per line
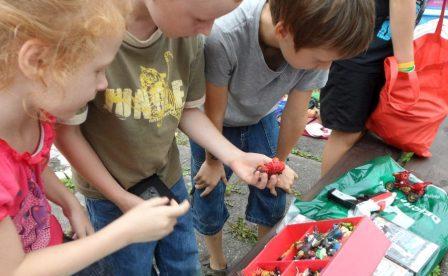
(347,101)
(210,212)
(337,145)
(177,253)
(135,259)
(263,208)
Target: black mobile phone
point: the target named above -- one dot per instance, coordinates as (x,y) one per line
(152,187)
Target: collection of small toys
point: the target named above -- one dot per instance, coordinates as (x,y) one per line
(400,181)
(308,272)
(322,248)
(277,272)
(318,245)
(263,272)
(275,167)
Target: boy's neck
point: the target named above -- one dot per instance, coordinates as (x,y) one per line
(268,42)
(140,23)
(267,28)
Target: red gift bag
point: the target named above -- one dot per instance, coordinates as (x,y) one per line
(412,106)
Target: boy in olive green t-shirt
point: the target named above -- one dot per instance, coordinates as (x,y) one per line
(127,134)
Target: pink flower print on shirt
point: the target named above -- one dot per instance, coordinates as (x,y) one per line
(33,219)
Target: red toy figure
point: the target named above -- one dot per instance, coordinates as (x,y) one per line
(274,167)
(412,191)
(402,176)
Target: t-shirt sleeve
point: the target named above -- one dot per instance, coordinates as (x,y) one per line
(312,79)
(8,189)
(196,87)
(79,118)
(218,61)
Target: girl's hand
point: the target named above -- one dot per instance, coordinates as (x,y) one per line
(151,220)
(79,222)
(209,175)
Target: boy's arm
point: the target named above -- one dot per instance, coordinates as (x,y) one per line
(215,107)
(195,124)
(71,142)
(198,127)
(402,24)
(293,122)
(212,170)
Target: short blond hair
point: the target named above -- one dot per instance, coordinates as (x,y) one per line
(70,28)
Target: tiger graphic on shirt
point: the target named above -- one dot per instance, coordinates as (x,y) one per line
(153,101)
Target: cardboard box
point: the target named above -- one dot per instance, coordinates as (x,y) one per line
(359,255)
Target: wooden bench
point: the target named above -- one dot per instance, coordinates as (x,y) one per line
(434,169)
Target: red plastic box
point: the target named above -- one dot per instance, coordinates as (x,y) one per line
(359,255)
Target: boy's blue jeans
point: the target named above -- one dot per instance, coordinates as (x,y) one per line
(210,212)
(176,254)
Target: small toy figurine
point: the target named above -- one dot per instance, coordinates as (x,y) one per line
(275,167)
(412,191)
(318,245)
(321,253)
(335,232)
(333,248)
(263,272)
(402,176)
(347,225)
(345,232)
(315,239)
(308,272)
(304,252)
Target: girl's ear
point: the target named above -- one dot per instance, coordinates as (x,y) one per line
(33,59)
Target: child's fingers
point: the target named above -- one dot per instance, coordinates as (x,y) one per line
(224,179)
(177,211)
(271,184)
(157,201)
(201,182)
(273,180)
(256,176)
(197,178)
(207,191)
(201,186)
(262,181)
(273,191)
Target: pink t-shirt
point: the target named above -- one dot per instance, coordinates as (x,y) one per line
(22,195)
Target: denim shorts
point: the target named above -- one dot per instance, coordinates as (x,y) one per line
(210,212)
(176,254)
